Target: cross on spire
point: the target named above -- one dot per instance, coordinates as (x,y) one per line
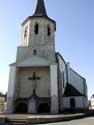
(40,8)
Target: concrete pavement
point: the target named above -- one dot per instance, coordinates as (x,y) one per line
(74,119)
(85,121)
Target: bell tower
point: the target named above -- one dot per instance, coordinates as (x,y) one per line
(38,34)
(34,76)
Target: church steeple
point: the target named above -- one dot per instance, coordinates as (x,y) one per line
(40,8)
(38,29)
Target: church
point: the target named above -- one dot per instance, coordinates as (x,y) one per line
(40,80)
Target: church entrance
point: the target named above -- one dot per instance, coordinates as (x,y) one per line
(21,108)
(72,103)
(44,108)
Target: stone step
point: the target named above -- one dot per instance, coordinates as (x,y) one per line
(17,121)
(18,124)
(2,120)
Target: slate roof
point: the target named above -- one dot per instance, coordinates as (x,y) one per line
(40,8)
(71,91)
(39,12)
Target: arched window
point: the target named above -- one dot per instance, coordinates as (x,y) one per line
(34,52)
(21,107)
(36,28)
(25,31)
(48,30)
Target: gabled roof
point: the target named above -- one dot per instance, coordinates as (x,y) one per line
(58,54)
(71,91)
(40,8)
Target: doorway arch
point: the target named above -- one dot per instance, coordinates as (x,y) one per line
(44,108)
(21,107)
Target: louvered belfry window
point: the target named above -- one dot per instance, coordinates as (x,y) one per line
(36,28)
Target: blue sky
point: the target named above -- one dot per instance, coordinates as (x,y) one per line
(74,34)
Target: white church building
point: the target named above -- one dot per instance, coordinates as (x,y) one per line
(40,80)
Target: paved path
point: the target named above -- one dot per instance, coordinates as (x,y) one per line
(86,121)
(31,118)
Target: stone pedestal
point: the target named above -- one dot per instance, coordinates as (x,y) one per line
(32,106)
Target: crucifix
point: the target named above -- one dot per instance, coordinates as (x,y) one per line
(34,78)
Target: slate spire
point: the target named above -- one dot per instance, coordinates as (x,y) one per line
(40,8)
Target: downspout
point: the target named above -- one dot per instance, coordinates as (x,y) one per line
(67,73)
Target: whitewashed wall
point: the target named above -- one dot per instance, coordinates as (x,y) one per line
(26,86)
(24,41)
(11,81)
(11,88)
(92,103)
(54,89)
(80,102)
(44,44)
